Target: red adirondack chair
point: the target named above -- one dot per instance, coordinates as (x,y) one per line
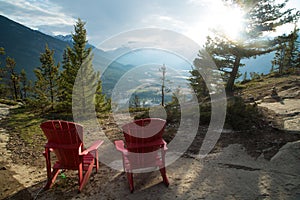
(144,147)
(65,140)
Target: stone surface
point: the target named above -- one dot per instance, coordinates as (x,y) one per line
(289,110)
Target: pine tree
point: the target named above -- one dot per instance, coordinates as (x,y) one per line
(286,55)
(261,16)
(13,77)
(203,76)
(73,59)
(297,63)
(83,97)
(25,87)
(46,85)
(135,102)
(101,103)
(245,77)
(2,52)
(291,50)
(163,79)
(279,58)
(3,91)
(66,82)
(80,85)
(198,85)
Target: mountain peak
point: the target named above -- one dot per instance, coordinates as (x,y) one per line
(66,38)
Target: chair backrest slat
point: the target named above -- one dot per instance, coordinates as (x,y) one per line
(140,133)
(62,135)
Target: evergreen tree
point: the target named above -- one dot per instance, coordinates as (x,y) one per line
(13,77)
(198,85)
(101,103)
(278,59)
(245,76)
(163,79)
(73,59)
(46,85)
(25,87)
(77,66)
(203,76)
(294,48)
(286,55)
(261,16)
(84,95)
(297,63)
(2,51)
(66,82)
(135,102)
(3,91)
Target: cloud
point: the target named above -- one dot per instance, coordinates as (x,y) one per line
(104,18)
(163,21)
(40,15)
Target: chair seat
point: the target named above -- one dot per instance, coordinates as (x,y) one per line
(87,160)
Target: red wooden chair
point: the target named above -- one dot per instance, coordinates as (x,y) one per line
(65,140)
(144,147)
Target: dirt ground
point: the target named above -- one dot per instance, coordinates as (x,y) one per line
(261,163)
(237,168)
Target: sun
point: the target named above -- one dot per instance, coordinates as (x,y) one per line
(228,20)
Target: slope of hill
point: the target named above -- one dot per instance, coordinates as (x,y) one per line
(25,45)
(278,98)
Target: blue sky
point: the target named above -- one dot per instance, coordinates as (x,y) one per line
(106,18)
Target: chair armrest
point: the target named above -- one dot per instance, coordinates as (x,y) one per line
(94,147)
(165,145)
(120,146)
(50,150)
(61,146)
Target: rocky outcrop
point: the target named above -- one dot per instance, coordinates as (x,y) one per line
(286,106)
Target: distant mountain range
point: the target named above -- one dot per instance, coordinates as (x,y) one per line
(66,38)
(25,46)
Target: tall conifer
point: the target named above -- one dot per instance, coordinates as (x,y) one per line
(78,68)
(46,85)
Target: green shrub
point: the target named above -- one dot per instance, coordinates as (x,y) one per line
(241,116)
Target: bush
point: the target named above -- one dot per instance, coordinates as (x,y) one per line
(241,116)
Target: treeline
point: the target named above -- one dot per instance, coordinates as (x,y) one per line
(13,85)
(54,84)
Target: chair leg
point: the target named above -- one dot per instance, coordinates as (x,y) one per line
(86,176)
(96,161)
(130,181)
(51,179)
(164,176)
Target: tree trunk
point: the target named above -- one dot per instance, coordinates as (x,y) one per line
(51,95)
(15,90)
(230,82)
(163,68)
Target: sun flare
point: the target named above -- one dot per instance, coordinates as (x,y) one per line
(228,20)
